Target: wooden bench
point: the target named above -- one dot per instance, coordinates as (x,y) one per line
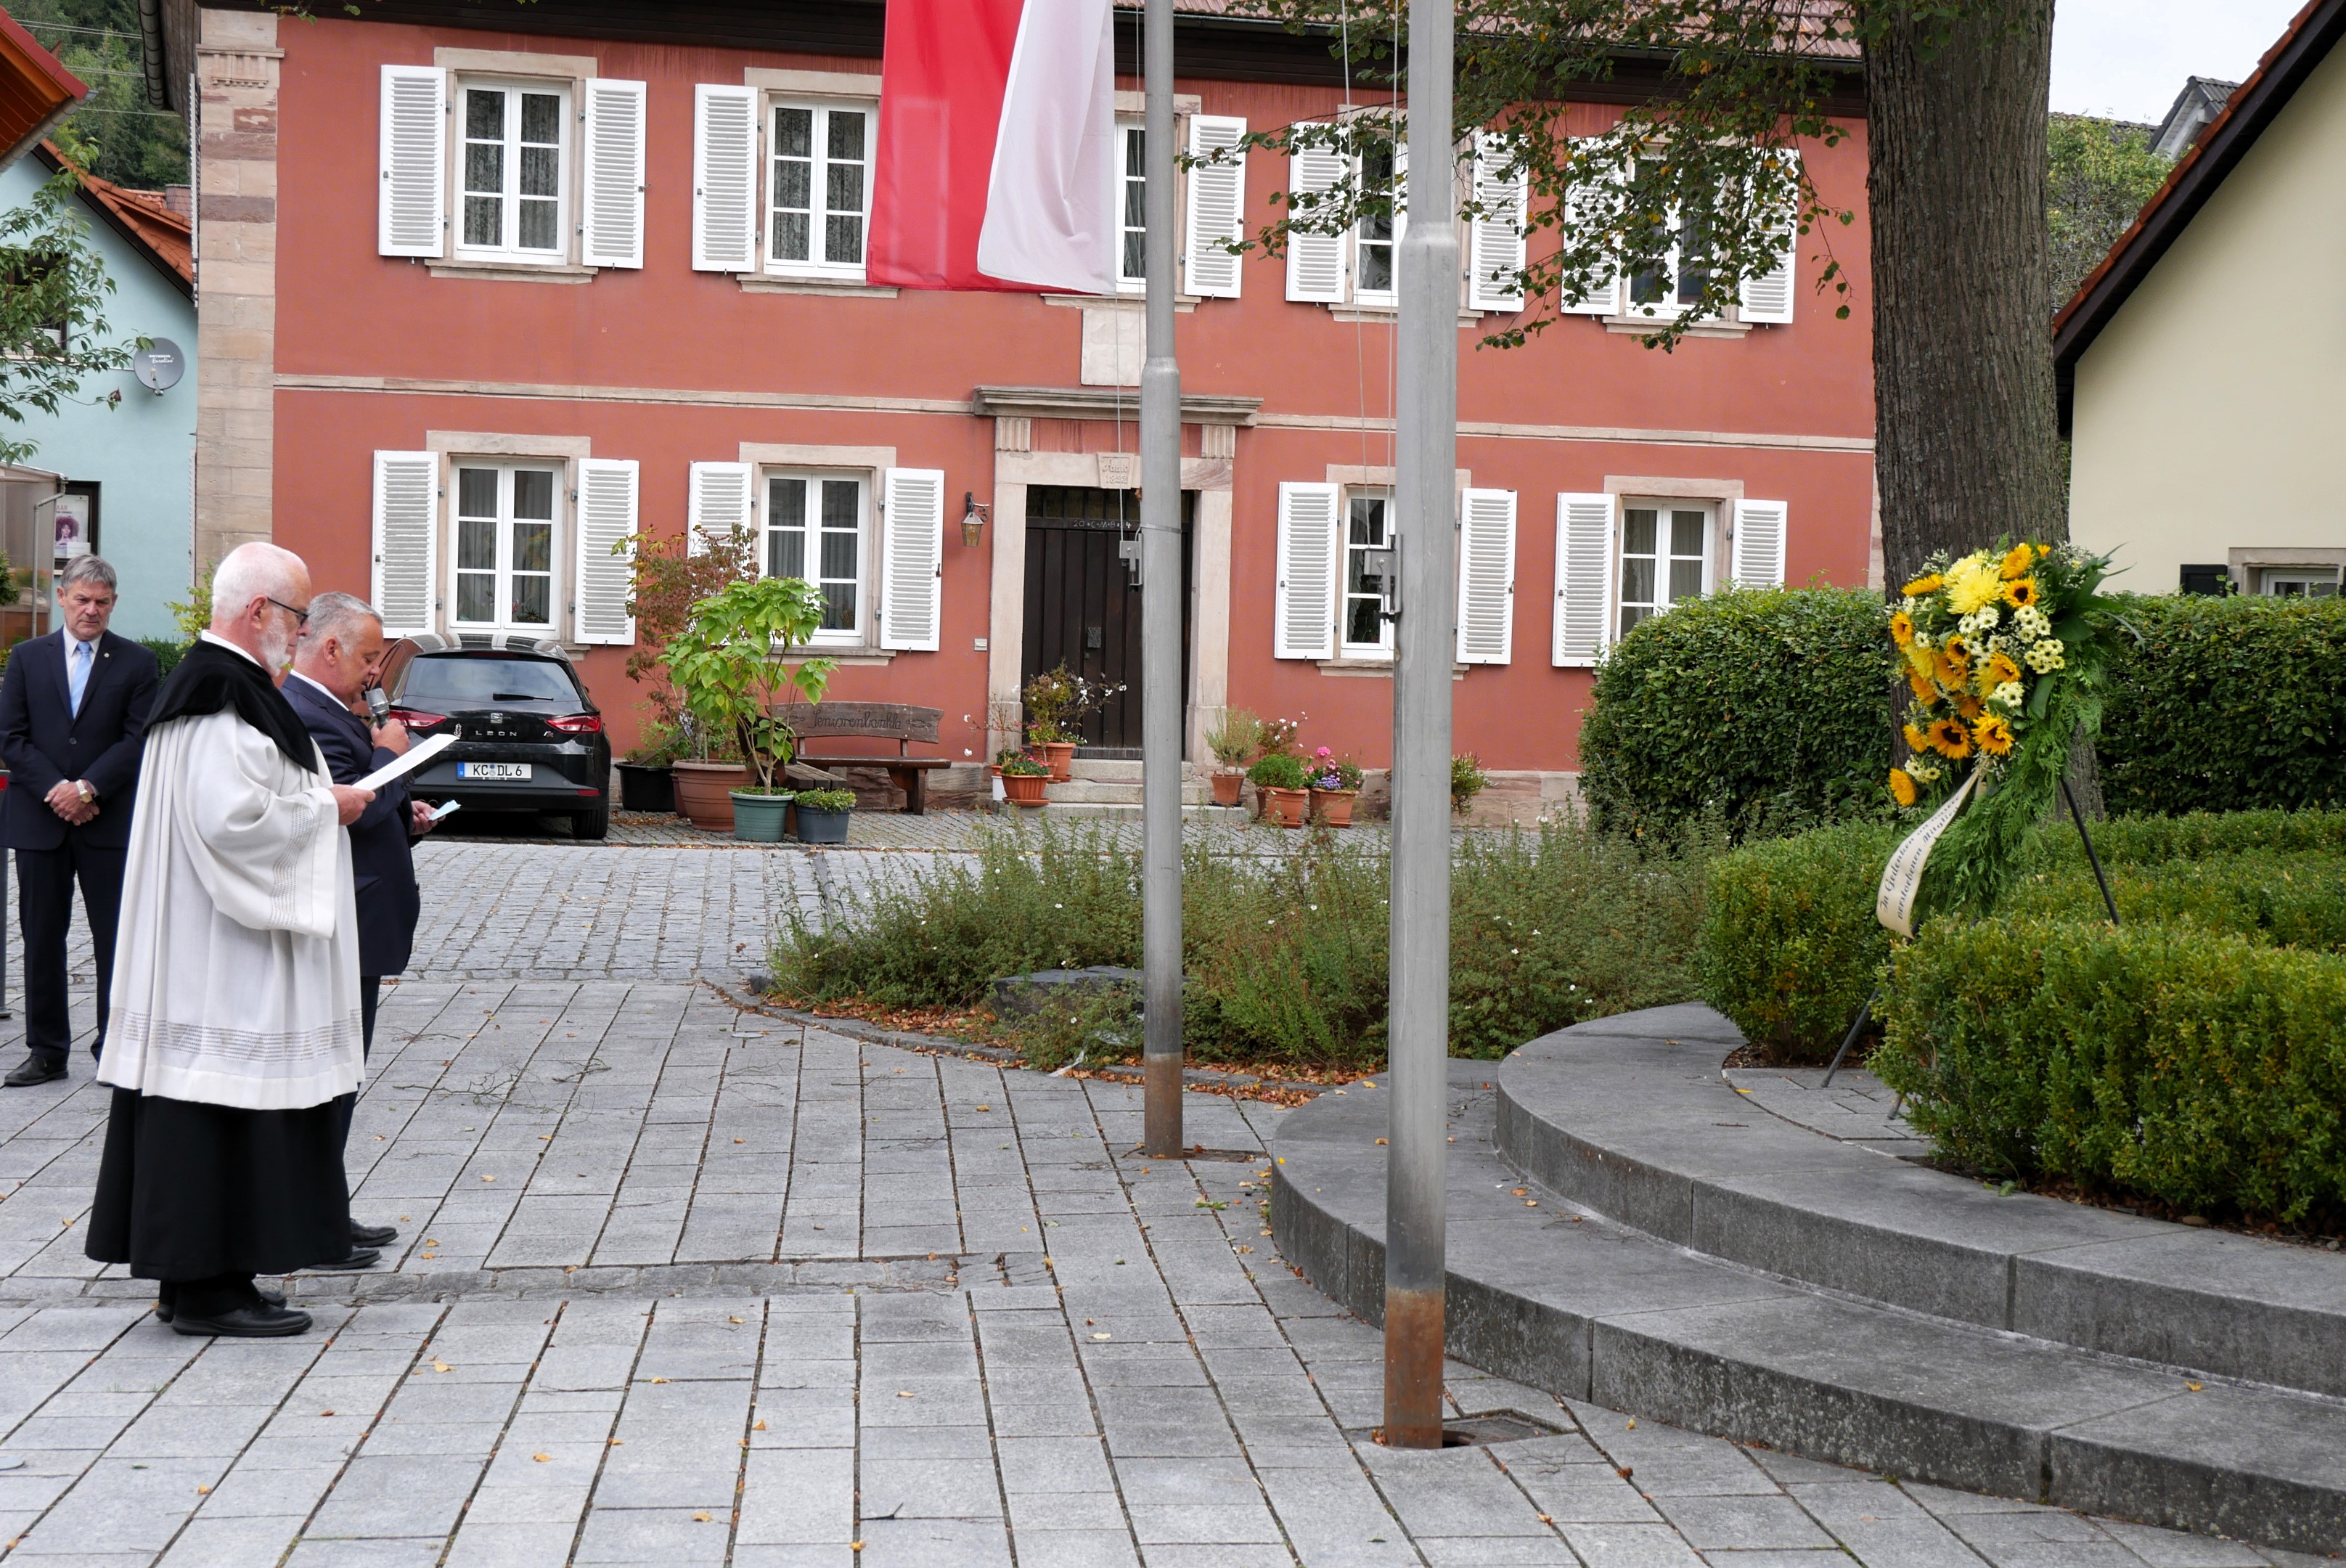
(896,721)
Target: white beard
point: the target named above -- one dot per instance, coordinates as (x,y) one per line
(276,652)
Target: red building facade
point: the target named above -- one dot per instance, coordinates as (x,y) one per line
(483,302)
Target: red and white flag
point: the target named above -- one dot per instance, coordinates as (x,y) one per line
(997,162)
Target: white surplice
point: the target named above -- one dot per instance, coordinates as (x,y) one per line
(235,966)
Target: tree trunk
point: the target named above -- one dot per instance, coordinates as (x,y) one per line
(1965,439)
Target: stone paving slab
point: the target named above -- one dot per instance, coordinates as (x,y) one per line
(646,1342)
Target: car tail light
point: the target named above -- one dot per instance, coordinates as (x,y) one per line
(416,718)
(578,723)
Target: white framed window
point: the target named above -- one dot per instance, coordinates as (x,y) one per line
(1666,556)
(513,171)
(1132,207)
(818,187)
(503,522)
(816,526)
(1677,282)
(1362,631)
(1375,239)
(2298,582)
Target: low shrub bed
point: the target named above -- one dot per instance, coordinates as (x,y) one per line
(2207,1071)
(1285,950)
(1790,947)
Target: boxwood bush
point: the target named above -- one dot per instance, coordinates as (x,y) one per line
(1790,946)
(2227,702)
(1766,706)
(2206,1071)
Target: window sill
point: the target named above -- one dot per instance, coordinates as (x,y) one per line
(513,271)
(1183,304)
(845,656)
(1374,668)
(784,283)
(1388,315)
(1640,326)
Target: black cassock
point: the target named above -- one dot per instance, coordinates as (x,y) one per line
(191,1191)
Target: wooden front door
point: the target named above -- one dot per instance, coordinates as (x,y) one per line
(1083,601)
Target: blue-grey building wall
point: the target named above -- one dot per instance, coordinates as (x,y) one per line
(140,453)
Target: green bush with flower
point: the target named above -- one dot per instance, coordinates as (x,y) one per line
(1326,770)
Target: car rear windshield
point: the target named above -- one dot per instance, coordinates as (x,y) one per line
(458,682)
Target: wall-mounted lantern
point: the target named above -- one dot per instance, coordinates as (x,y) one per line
(973,514)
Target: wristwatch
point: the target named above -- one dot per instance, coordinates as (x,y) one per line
(88,795)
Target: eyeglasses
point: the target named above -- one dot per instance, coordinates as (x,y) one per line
(302,616)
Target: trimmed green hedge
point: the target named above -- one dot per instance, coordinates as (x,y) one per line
(1790,946)
(2227,702)
(1767,705)
(2208,1072)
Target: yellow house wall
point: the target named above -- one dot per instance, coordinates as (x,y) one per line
(2210,413)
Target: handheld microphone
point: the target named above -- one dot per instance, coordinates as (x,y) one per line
(378,705)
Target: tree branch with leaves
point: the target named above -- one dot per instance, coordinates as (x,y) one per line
(53,290)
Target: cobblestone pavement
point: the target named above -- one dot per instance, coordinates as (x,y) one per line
(679,1284)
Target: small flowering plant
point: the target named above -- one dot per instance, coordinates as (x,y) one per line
(2003,653)
(1326,770)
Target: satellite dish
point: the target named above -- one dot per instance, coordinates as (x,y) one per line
(159,365)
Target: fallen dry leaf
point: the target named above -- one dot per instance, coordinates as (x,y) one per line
(541,1458)
(758,1428)
(441,1367)
(701,1519)
(659,1380)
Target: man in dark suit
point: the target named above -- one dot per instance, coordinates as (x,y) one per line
(73,717)
(338,657)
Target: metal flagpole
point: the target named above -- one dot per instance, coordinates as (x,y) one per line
(1161,609)
(1425,468)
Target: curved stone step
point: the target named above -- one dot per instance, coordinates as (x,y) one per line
(1587,1308)
(1632,1116)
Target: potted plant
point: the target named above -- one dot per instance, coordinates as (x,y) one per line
(1335,785)
(667,578)
(1057,702)
(730,667)
(1280,783)
(1023,779)
(822,814)
(1233,743)
(646,781)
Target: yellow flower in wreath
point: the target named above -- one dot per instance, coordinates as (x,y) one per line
(1948,664)
(1902,786)
(1969,705)
(1920,685)
(1999,669)
(1921,585)
(1949,739)
(2021,593)
(1917,739)
(1971,584)
(2017,560)
(1902,628)
(1993,735)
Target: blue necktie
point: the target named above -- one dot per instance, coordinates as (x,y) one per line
(77,678)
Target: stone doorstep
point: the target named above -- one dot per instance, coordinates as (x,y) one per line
(1632,1116)
(1597,1311)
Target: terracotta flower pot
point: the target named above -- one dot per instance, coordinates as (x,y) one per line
(704,792)
(1334,807)
(1227,785)
(1284,807)
(1025,788)
(1059,755)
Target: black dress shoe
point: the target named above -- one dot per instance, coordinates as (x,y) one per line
(372,1235)
(34,1070)
(360,1257)
(274,1298)
(259,1321)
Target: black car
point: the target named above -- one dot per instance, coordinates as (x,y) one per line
(528,737)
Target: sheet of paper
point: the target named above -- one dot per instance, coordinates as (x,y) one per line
(420,753)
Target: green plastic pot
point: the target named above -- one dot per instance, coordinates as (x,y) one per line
(759,818)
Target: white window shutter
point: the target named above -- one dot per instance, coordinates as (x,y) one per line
(1216,208)
(1583,210)
(406,541)
(913,559)
(605,579)
(614,174)
(1315,262)
(724,179)
(1486,576)
(411,211)
(719,502)
(1304,622)
(1760,543)
(1495,248)
(1585,559)
(1767,300)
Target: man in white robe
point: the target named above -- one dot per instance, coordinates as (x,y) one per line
(235,997)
